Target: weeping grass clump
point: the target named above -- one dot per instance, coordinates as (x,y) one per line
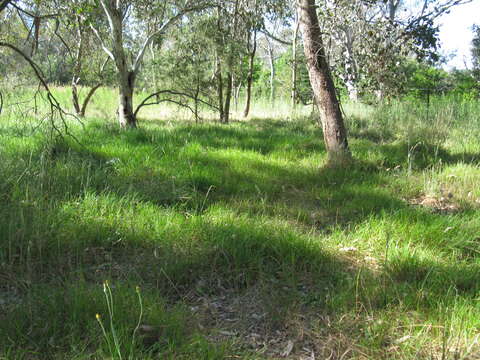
(237,230)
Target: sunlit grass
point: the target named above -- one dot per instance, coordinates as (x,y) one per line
(240,229)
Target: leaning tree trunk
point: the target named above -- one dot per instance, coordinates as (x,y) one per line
(334,131)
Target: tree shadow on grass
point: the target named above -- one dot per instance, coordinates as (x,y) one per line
(262,136)
(198,223)
(216,257)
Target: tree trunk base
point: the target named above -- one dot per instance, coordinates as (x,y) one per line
(339,159)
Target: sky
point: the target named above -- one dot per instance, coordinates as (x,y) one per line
(456,33)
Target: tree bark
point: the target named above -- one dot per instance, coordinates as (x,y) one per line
(126,116)
(250,74)
(351,81)
(294,62)
(271,60)
(334,132)
(218,75)
(125,75)
(77,69)
(228,98)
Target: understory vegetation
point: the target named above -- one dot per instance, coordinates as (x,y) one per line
(236,242)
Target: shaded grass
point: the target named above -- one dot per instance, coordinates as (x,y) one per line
(207,213)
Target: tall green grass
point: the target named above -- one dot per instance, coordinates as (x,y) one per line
(238,230)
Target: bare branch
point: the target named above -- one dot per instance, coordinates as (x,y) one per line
(55,107)
(102,44)
(273,37)
(26,12)
(33,65)
(106,9)
(165,26)
(62,40)
(170,92)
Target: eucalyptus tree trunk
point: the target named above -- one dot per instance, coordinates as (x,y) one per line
(126,115)
(125,75)
(229,89)
(271,60)
(393,6)
(334,132)
(219,77)
(294,61)
(251,64)
(76,71)
(81,108)
(351,81)
(228,98)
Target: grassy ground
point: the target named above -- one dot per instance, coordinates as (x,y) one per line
(234,242)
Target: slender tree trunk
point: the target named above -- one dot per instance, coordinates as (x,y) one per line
(154,71)
(75,101)
(294,61)
(334,131)
(351,81)
(251,64)
(196,97)
(229,89)
(228,98)
(271,60)
(218,75)
(237,90)
(235,97)
(351,90)
(83,110)
(77,70)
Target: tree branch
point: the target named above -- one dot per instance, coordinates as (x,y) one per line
(273,37)
(4,4)
(26,12)
(167,24)
(102,44)
(55,107)
(33,65)
(171,92)
(88,97)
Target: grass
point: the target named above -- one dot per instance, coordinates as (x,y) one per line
(241,242)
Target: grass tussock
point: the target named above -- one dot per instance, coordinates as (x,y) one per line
(241,242)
